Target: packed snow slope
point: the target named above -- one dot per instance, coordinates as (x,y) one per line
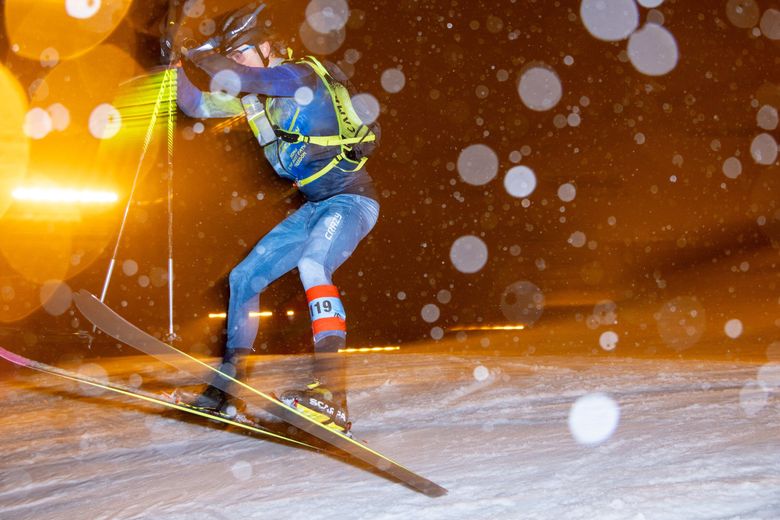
(510,437)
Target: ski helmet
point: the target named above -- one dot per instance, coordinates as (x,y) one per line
(243,27)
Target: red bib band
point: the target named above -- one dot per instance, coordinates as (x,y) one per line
(326,310)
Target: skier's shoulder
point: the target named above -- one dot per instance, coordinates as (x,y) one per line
(289,71)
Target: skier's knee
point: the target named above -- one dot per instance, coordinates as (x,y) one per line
(312,272)
(236,278)
(241,281)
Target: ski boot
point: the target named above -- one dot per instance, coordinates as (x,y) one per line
(320,404)
(325,399)
(218,396)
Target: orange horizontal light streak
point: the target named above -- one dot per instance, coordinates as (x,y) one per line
(64,195)
(223,315)
(490,327)
(368,349)
(291,313)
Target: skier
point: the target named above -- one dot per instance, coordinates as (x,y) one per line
(302,116)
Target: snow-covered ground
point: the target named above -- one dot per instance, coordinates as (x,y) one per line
(695,440)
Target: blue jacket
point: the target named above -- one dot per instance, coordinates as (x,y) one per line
(293,161)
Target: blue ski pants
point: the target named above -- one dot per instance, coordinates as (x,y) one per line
(316,239)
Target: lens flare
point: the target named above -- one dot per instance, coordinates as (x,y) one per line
(35,28)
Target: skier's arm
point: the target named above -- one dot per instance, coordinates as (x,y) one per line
(280,81)
(195,103)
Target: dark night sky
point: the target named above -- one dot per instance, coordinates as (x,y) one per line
(663,227)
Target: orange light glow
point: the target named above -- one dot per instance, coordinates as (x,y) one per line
(223,315)
(36,29)
(64,195)
(368,349)
(489,327)
(14,145)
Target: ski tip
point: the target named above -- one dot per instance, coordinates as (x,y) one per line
(79,296)
(82,295)
(86,302)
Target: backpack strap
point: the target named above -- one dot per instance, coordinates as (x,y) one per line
(349,134)
(351,130)
(328,167)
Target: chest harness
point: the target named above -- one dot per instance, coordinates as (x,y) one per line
(354,142)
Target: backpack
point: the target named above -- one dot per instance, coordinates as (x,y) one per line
(356,140)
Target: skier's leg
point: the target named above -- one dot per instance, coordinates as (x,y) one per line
(276,254)
(340,224)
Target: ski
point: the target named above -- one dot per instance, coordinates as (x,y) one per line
(111,323)
(169,401)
